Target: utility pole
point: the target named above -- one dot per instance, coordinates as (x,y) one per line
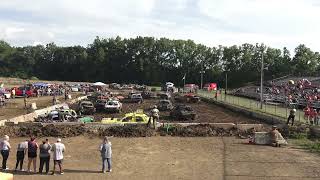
(225,91)
(201,85)
(261,81)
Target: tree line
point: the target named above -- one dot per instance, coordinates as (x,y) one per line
(147,60)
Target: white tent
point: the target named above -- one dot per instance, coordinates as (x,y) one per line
(99,84)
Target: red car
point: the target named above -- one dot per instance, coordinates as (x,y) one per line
(19,91)
(210,86)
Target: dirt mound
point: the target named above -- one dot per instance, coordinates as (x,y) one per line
(127,131)
(43,131)
(202,130)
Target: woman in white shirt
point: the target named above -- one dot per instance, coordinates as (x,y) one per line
(5,149)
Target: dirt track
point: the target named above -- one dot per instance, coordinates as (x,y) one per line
(182,158)
(206,113)
(15,107)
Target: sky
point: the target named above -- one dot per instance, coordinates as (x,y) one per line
(276,23)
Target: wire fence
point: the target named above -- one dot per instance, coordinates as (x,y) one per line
(278,110)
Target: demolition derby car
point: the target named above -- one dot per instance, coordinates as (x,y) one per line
(183,112)
(113,106)
(86,107)
(135,117)
(165,105)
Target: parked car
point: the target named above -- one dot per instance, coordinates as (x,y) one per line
(86,107)
(29,92)
(164,95)
(113,106)
(86,119)
(165,105)
(149,95)
(134,98)
(183,112)
(187,98)
(100,104)
(58,115)
(136,117)
(210,86)
(5,93)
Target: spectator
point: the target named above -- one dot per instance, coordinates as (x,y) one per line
(44,155)
(13,93)
(291,116)
(58,149)
(21,152)
(106,152)
(5,150)
(32,154)
(154,117)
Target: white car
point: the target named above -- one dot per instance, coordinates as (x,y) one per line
(74,89)
(169,84)
(113,106)
(5,93)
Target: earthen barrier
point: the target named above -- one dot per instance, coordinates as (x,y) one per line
(261,117)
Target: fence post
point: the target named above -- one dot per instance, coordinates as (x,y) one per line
(275,109)
(299,115)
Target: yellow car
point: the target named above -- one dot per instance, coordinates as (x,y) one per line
(136,117)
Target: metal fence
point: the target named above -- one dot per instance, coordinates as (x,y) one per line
(278,110)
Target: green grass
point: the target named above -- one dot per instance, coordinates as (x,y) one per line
(305,143)
(278,111)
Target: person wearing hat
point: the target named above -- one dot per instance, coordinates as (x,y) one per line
(154,116)
(291,116)
(58,149)
(106,152)
(5,150)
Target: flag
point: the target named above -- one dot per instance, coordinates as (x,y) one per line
(184,77)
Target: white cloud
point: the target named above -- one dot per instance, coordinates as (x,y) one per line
(212,22)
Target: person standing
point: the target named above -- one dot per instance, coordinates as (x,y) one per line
(54,99)
(44,155)
(106,152)
(32,154)
(275,136)
(21,152)
(13,93)
(25,101)
(291,116)
(58,149)
(5,150)
(154,117)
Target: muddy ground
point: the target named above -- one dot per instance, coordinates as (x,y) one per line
(15,107)
(218,158)
(206,113)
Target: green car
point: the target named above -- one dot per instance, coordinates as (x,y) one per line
(86,119)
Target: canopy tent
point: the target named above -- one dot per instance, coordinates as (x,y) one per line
(99,84)
(40,84)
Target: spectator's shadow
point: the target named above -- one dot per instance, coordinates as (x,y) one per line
(80,171)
